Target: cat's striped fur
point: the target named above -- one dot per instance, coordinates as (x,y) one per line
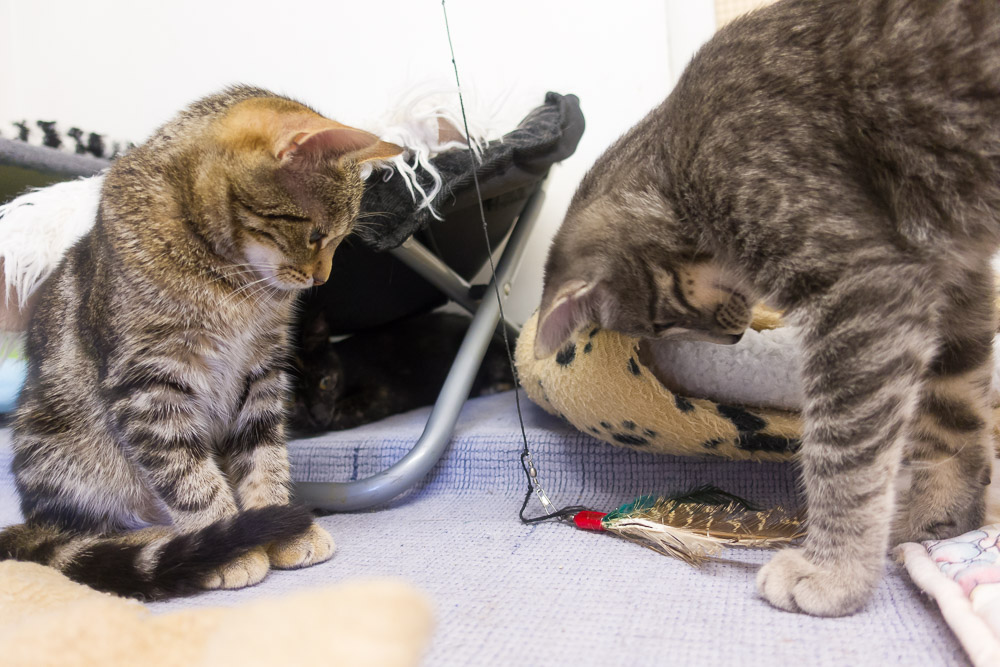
(841,160)
(149,440)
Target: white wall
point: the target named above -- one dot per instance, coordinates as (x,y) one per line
(123,67)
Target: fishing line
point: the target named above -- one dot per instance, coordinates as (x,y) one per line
(527,463)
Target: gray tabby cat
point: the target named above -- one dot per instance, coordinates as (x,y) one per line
(149,444)
(839,159)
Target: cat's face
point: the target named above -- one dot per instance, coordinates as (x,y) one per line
(319,386)
(294,187)
(319,378)
(616,274)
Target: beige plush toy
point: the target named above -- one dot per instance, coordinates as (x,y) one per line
(600,385)
(46,619)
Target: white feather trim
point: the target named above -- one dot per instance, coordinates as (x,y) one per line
(416,124)
(36,229)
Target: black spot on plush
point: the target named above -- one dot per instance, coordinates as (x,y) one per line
(682,403)
(749,426)
(566,355)
(77,136)
(712,444)
(587,348)
(742,420)
(762,442)
(630,439)
(51,137)
(593,332)
(650,432)
(95,144)
(630,425)
(633,367)
(606,425)
(22,130)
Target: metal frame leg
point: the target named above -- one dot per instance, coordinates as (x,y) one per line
(386,485)
(415,255)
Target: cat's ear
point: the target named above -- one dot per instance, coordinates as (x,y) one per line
(320,137)
(576,304)
(315,332)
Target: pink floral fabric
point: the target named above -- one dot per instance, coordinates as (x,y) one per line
(971,559)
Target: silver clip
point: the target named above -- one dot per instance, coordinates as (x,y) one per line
(539,491)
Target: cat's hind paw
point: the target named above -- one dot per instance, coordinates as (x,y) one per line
(792,582)
(247,570)
(311,547)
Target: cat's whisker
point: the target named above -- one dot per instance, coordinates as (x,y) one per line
(244,288)
(236,270)
(372,214)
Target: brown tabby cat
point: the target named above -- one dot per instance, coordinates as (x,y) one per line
(149,445)
(841,160)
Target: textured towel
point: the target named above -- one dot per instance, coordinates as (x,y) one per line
(46,619)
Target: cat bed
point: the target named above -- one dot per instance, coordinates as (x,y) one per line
(46,619)
(369,288)
(600,384)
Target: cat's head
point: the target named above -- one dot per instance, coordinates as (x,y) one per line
(611,266)
(289,182)
(319,379)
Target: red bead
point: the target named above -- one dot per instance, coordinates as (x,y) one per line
(589,520)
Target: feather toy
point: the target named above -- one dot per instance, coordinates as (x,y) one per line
(697,525)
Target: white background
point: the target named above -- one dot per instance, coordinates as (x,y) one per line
(123,67)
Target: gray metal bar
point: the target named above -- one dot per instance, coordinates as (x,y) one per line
(415,255)
(386,485)
(418,257)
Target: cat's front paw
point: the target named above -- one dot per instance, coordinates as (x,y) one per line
(794,583)
(247,570)
(311,547)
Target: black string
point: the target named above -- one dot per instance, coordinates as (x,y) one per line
(525,453)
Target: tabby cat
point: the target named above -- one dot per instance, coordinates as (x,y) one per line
(149,446)
(839,159)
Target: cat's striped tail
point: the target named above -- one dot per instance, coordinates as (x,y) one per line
(152,563)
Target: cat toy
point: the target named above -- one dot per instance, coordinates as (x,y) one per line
(693,526)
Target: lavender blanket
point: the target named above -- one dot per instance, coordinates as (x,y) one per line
(549,594)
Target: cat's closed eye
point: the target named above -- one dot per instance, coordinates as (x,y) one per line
(263,233)
(660,327)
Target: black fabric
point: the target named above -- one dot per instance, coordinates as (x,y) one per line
(522,158)
(368,288)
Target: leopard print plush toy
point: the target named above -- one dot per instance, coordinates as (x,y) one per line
(599,384)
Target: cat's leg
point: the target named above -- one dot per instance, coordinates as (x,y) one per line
(257,462)
(949,458)
(163,429)
(866,345)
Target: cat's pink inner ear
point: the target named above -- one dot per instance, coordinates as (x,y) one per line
(329,142)
(572,308)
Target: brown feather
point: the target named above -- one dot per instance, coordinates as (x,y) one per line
(696,531)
